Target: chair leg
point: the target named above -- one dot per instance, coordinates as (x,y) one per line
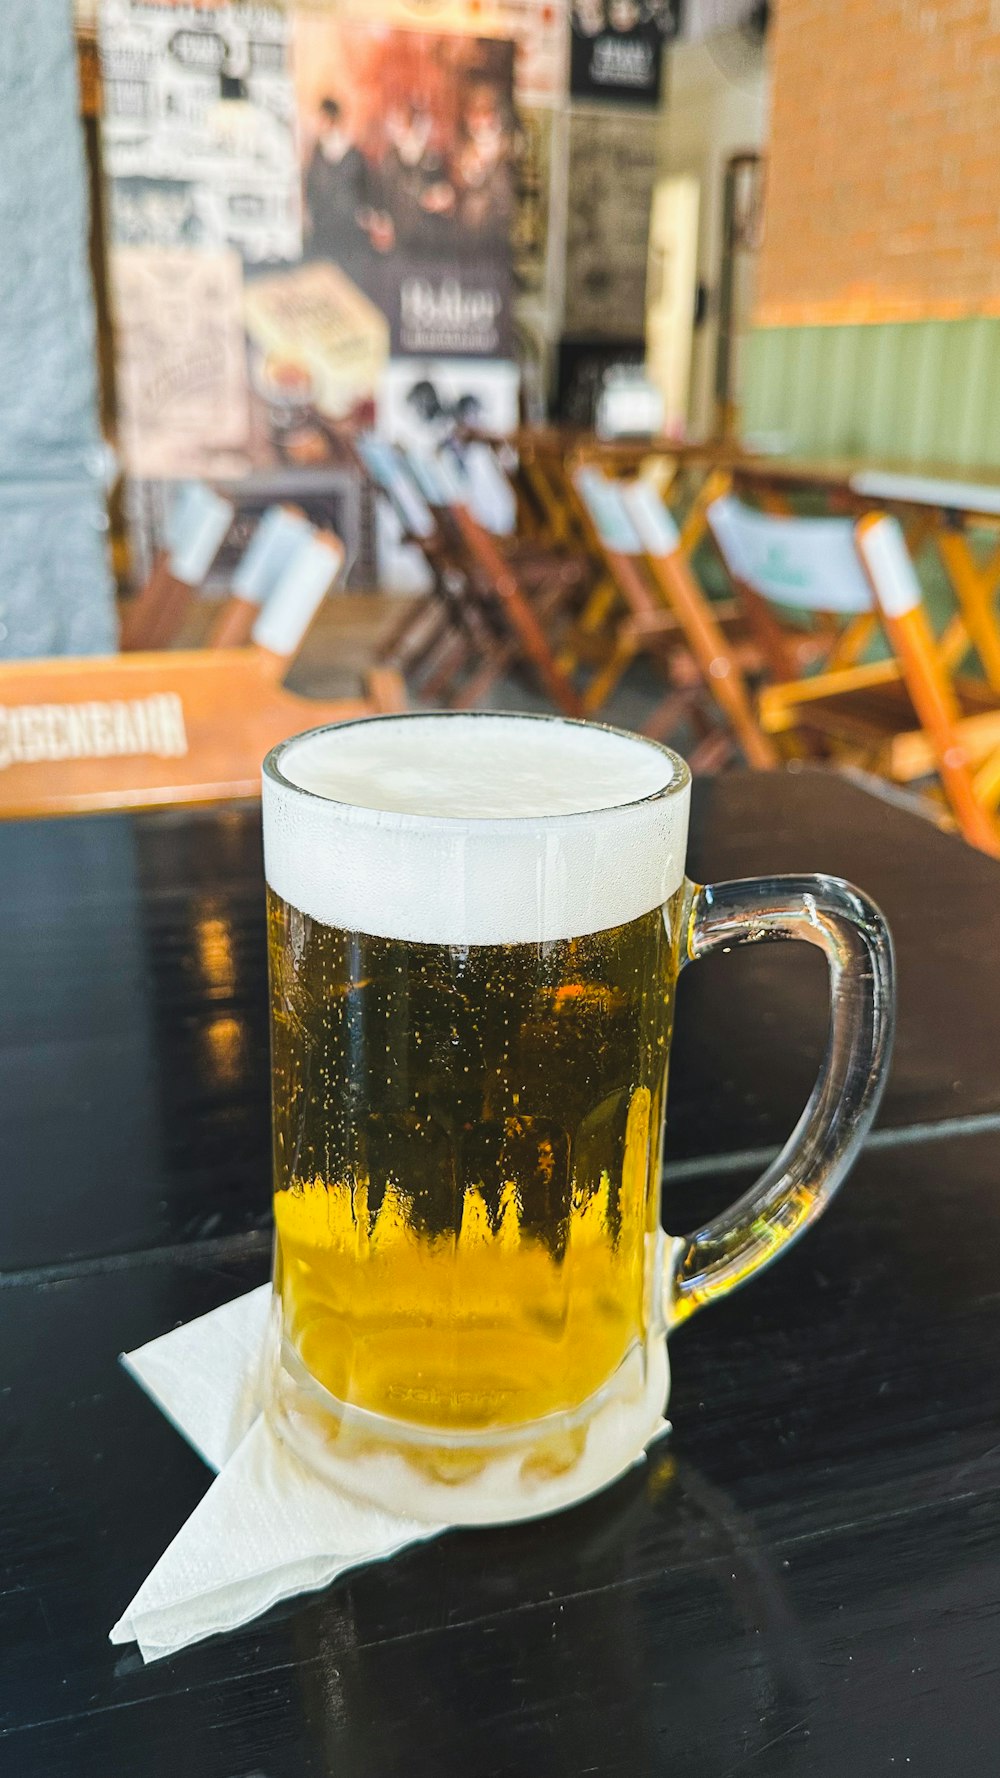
(605,682)
(386,690)
(975,590)
(719,667)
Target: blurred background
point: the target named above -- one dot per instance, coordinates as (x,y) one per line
(444,280)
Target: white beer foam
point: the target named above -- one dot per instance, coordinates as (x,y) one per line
(465,830)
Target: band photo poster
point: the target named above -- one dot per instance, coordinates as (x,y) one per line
(537,28)
(408,144)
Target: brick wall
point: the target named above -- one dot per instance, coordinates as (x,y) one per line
(884,172)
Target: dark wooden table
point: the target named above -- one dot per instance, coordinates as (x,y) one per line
(804,1580)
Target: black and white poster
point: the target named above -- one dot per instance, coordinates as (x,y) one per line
(198,128)
(616,48)
(612,172)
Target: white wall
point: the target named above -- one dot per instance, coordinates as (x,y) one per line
(713,110)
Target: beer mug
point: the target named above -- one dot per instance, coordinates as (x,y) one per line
(476,925)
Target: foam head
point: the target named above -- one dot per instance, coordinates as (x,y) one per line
(474,829)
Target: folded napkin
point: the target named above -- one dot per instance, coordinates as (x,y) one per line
(268,1527)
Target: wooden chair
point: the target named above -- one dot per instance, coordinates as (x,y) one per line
(442,631)
(542,480)
(151,728)
(521,595)
(647,623)
(904,717)
(197,525)
(553,565)
(544,462)
(479,621)
(594,640)
(551,459)
(717,659)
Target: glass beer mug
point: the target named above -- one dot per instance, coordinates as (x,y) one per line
(476,924)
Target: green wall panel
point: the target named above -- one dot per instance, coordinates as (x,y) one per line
(920,391)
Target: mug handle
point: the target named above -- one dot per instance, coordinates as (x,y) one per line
(799,1184)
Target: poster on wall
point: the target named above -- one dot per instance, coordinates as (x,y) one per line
(612,173)
(204,193)
(616,48)
(198,132)
(408,144)
(537,28)
(181,368)
(293,198)
(425,403)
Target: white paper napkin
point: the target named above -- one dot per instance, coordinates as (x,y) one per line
(268,1526)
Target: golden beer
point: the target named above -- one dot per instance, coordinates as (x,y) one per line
(473,939)
(476,923)
(465,1140)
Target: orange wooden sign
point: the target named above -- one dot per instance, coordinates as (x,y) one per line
(141,730)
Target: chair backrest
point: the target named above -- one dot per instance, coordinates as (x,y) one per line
(485,486)
(652,518)
(972,795)
(195,531)
(196,526)
(437,481)
(278,536)
(280,533)
(798,563)
(606,508)
(887,564)
(479,556)
(388,472)
(308,575)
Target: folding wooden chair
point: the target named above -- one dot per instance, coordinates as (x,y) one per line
(484,471)
(312,566)
(543,483)
(717,659)
(905,717)
(554,565)
(521,603)
(443,631)
(948,512)
(647,625)
(593,638)
(197,526)
(306,565)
